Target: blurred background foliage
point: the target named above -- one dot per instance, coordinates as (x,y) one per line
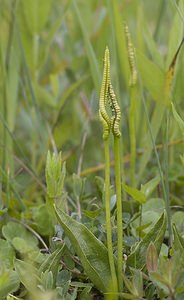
(51,64)
(51,60)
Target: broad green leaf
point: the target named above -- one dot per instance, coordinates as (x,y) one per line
(23,246)
(24,270)
(149,187)
(91,251)
(177,118)
(152,76)
(135,194)
(43,220)
(9,283)
(14,230)
(154,204)
(156,235)
(7,255)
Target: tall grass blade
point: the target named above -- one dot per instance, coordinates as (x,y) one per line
(93,62)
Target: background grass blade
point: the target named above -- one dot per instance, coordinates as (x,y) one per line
(95,72)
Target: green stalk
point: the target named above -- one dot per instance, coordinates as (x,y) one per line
(132,114)
(119,209)
(167,199)
(133,96)
(108,217)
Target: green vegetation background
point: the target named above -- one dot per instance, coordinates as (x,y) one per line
(51,62)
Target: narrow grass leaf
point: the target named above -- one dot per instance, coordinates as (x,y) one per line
(177,118)
(120,40)
(91,251)
(95,72)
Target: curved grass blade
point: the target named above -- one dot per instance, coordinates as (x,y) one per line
(91,251)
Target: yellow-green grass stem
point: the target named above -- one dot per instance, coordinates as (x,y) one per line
(108,219)
(119,210)
(132,113)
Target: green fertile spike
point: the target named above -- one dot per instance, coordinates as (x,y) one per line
(116,112)
(131,57)
(104,118)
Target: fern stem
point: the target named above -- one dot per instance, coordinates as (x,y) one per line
(108,217)
(119,209)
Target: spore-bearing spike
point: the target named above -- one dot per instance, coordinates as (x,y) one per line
(116,113)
